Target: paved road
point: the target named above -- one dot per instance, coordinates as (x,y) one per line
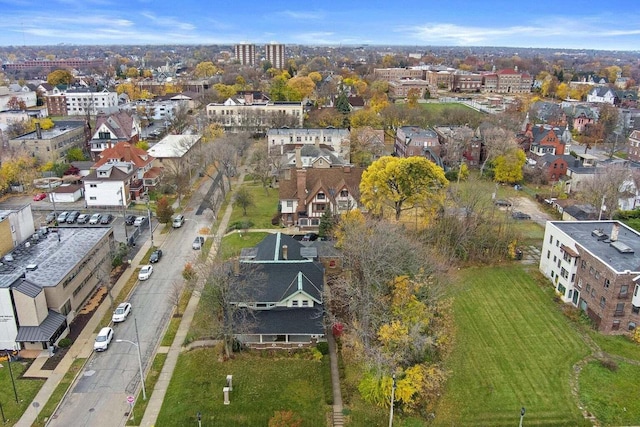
(101,390)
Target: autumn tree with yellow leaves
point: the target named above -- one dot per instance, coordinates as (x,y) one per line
(402,184)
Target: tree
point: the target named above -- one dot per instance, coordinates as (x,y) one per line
(223,290)
(15,103)
(164,211)
(608,117)
(412,97)
(143,145)
(300,88)
(75,154)
(508,167)
(225,152)
(365,145)
(205,70)
(59,77)
(402,183)
(497,141)
(132,72)
(243,199)
(605,189)
(327,221)
(365,117)
(264,167)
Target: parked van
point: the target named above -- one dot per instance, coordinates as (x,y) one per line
(178,221)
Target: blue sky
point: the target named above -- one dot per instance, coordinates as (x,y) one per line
(612,24)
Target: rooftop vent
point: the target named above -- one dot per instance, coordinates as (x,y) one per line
(599,234)
(31,267)
(622,248)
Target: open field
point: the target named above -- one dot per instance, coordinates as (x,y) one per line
(513,350)
(261,386)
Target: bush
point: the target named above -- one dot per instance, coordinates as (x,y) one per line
(64,343)
(609,364)
(240,225)
(323,347)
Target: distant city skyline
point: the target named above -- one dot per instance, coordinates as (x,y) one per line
(611,25)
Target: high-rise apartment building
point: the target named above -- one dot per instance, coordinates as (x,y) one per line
(245,53)
(274,53)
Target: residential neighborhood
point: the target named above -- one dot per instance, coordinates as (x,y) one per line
(303,235)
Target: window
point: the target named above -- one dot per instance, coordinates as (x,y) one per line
(320,196)
(567,257)
(550,239)
(289,203)
(583,264)
(597,274)
(564,273)
(555,258)
(548,254)
(93,185)
(591,270)
(635,310)
(624,290)
(344,193)
(603,302)
(557,243)
(305,303)
(593,293)
(294,303)
(579,283)
(92,198)
(616,325)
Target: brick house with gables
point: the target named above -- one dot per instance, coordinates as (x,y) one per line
(305,194)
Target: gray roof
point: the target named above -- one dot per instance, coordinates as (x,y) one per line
(26,287)
(55,255)
(279,280)
(581,233)
(42,332)
(282,321)
(270,249)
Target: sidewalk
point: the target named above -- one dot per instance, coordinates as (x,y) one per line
(83,346)
(160,389)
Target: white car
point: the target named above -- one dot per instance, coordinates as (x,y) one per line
(103,339)
(145,272)
(121,312)
(139,221)
(95,218)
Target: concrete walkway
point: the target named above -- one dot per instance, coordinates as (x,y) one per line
(337,416)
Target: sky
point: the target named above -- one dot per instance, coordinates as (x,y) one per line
(568,24)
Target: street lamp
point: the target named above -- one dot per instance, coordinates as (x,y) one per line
(393,392)
(150,224)
(199,419)
(124,215)
(137,344)
(522,411)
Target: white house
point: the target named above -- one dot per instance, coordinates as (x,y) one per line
(602,94)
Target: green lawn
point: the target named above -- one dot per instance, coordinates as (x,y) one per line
(619,345)
(513,349)
(261,386)
(265,206)
(611,396)
(26,389)
(232,244)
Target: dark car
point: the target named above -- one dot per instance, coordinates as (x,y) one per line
(73,216)
(155,256)
(502,203)
(520,215)
(106,218)
(130,219)
(309,237)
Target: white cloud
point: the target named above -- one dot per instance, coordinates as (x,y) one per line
(302,15)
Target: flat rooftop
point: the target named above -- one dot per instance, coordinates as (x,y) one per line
(54,255)
(59,129)
(623,255)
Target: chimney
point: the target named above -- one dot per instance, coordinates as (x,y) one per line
(298,157)
(38,130)
(615,231)
(301,187)
(285,252)
(346,168)
(317,142)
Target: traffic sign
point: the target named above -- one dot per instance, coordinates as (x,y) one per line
(130,399)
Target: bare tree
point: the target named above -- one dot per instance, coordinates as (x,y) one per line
(175,294)
(497,142)
(605,188)
(226,293)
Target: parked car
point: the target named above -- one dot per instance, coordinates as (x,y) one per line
(103,339)
(145,272)
(62,217)
(197,243)
(178,221)
(83,218)
(520,215)
(39,196)
(502,203)
(50,217)
(121,312)
(155,256)
(95,218)
(140,221)
(309,237)
(72,217)
(106,218)
(129,219)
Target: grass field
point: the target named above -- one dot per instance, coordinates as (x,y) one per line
(25,389)
(513,350)
(264,208)
(611,396)
(261,386)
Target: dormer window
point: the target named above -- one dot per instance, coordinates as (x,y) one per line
(320,196)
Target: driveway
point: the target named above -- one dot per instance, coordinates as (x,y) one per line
(531,207)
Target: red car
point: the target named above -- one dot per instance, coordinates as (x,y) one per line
(40,196)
